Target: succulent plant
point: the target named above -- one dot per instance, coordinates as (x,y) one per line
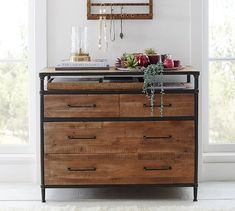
(150,51)
(143,59)
(118,63)
(127,61)
(121,62)
(131,61)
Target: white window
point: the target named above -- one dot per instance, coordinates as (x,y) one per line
(14,76)
(220,39)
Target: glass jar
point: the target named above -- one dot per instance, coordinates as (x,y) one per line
(79,44)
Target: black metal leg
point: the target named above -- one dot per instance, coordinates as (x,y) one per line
(188,78)
(43,191)
(195,193)
(43,195)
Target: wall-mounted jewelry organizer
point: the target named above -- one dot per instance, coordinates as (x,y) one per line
(138,10)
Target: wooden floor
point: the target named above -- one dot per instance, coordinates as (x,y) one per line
(211,194)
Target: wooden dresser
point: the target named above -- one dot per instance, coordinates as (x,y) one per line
(103,134)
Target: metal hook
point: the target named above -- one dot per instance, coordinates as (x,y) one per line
(104,10)
(101,8)
(112,8)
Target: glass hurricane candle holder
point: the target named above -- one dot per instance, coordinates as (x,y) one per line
(79,44)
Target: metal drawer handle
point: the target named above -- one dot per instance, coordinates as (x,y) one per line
(81,138)
(161,168)
(158,106)
(81,169)
(82,106)
(160,137)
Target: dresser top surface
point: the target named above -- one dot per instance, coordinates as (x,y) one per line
(113,72)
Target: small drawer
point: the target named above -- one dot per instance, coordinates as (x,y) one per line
(117,169)
(81,106)
(82,137)
(119,137)
(174,105)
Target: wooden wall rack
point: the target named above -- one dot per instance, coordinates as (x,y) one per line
(132,16)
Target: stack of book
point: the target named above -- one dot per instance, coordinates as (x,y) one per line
(86,65)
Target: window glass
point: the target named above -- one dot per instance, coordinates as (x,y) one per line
(221,28)
(222,102)
(14,29)
(14,72)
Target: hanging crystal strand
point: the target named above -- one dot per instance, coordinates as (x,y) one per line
(100,29)
(105,31)
(152,100)
(162,93)
(112,25)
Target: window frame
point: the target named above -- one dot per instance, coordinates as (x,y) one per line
(207,146)
(30,147)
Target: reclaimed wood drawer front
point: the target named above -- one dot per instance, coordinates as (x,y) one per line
(119,137)
(93,86)
(174,105)
(161,168)
(81,106)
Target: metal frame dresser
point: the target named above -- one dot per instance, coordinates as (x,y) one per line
(100,137)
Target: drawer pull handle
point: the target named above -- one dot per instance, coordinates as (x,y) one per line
(162,168)
(158,106)
(81,169)
(81,138)
(160,137)
(82,106)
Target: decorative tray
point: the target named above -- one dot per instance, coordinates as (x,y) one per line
(128,69)
(174,68)
(137,70)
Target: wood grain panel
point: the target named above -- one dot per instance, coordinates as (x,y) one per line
(175,105)
(112,71)
(117,169)
(93,86)
(81,106)
(119,137)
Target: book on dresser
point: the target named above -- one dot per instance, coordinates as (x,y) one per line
(99,64)
(98,131)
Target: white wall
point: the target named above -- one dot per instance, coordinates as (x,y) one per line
(168,32)
(197,62)
(177,28)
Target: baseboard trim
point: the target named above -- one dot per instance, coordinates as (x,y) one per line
(18,168)
(220,171)
(17,159)
(224,157)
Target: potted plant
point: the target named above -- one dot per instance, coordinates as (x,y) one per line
(154,58)
(143,59)
(153,78)
(128,61)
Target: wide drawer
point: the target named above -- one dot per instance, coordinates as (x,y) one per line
(119,137)
(162,168)
(81,106)
(139,106)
